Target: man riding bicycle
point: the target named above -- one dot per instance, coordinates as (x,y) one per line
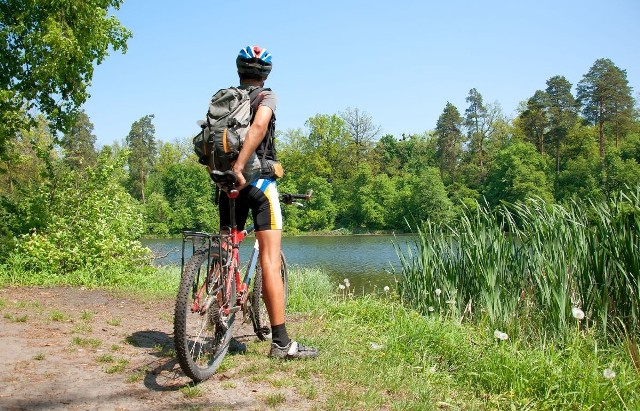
(261,197)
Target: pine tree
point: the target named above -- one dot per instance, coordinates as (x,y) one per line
(605,96)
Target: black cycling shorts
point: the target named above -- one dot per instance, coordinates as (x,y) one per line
(261,197)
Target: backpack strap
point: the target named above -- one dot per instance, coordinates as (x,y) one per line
(268,144)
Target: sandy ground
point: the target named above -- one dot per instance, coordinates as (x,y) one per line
(78,349)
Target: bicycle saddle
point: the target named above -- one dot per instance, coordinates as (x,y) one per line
(225,179)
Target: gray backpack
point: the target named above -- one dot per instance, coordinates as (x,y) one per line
(224,130)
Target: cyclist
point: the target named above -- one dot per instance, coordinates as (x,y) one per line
(261,197)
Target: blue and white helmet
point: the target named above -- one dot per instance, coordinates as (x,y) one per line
(254,62)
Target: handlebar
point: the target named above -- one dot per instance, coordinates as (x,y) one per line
(228,179)
(288,198)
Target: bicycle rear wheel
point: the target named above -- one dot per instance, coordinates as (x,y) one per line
(202,330)
(259,314)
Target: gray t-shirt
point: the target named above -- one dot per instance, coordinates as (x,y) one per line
(267,98)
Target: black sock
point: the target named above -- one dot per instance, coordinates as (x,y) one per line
(279,335)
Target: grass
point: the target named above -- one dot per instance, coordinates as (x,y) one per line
(105,358)
(136,376)
(57,316)
(119,366)
(86,342)
(114,322)
(86,315)
(82,329)
(275,399)
(144,283)
(378,352)
(527,267)
(192,391)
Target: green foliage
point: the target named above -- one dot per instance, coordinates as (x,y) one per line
(527,265)
(92,224)
(183,199)
(605,96)
(518,172)
(48,51)
(449,146)
(143,151)
(79,143)
(23,199)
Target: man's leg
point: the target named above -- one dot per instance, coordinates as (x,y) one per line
(273,294)
(272,286)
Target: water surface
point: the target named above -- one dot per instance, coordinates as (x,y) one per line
(366,260)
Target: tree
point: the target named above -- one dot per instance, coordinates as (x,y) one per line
(605,96)
(410,154)
(479,125)
(534,121)
(421,197)
(328,139)
(188,190)
(449,141)
(25,194)
(562,112)
(94,225)
(361,129)
(518,173)
(79,143)
(48,51)
(142,144)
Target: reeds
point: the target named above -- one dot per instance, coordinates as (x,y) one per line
(530,267)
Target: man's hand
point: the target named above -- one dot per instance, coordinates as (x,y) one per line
(241,181)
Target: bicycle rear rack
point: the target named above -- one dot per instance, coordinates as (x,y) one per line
(218,243)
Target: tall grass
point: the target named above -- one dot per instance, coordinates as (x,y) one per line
(529,267)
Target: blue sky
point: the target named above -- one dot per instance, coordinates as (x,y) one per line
(399,61)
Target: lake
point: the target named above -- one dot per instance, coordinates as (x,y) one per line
(366,260)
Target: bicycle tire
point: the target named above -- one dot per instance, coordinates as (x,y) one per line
(259,315)
(201,338)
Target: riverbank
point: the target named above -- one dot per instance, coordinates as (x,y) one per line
(78,348)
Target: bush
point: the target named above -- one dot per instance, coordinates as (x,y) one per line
(93,224)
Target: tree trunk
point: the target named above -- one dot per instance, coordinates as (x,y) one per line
(142,185)
(601,132)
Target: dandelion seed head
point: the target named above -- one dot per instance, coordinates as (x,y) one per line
(438,292)
(609,374)
(346,280)
(386,288)
(375,346)
(499,335)
(341,286)
(577,313)
(431,309)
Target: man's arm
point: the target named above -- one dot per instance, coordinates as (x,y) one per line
(254,137)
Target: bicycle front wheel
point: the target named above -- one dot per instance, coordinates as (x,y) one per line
(202,329)
(259,314)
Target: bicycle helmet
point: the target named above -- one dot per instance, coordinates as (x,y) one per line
(254,62)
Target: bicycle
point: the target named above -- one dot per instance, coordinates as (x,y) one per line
(211,291)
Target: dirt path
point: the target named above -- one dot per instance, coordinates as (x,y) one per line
(75,349)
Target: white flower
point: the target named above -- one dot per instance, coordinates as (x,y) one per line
(438,292)
(577,313)
(500,335)
(341,286)
(609,374)
(386,288)
(346,281)
(431,309)
(375,346)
